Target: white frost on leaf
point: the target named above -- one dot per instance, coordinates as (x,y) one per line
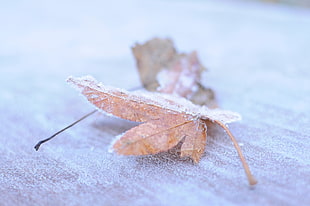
(181,78)
(163,79)
(224,116)
(169,102)
(110,148)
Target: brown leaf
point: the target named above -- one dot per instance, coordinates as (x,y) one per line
(162,69)
(116,101)
(166,120)
(195,141)
(182,76)
(151,58)
(153,136)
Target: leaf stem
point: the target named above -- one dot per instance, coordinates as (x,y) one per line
(37,146)
(251,178)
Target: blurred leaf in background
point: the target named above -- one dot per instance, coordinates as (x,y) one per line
(304,3)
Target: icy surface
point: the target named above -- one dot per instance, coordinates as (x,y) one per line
(258,58)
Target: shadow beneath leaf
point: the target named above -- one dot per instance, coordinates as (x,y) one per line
(172,156)
(114,126)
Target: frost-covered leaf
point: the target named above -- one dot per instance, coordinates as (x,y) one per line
(144,106)
(163,69)
(151,58)
(182,76)
(195,141)
(153,136)
(166,120)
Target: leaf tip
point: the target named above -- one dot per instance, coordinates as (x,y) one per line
(252,181)
(114,143)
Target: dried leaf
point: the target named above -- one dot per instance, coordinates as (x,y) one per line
(182,76)
(166,120)
(152,137)
(151,58)
(162,69)
(195,140)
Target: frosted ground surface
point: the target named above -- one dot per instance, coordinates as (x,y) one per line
(258,58)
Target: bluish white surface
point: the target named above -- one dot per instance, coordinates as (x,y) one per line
(258,56)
